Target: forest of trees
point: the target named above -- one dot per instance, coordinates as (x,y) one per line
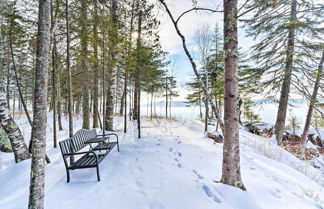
(96,59)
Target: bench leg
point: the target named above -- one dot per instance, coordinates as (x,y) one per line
(118,146)
(67,175)
(98,175)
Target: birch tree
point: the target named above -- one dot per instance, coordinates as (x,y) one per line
(12,130)
(37,175)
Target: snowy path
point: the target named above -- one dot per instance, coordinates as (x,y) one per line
(172,167)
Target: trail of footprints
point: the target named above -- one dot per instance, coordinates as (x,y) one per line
(177,157)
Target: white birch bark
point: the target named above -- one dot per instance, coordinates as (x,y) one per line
(12,130)
(37,176)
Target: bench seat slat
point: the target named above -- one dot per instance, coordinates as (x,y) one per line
(85,161)
(105,146)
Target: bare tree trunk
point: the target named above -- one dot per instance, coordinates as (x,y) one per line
(139,32)
(54,67)
(37,175)
(122,101)
(84,52)
(59,103)
(109,110)
(231,173)
(285,89)
(166,96)
(135,111)
(70,99)
(313,98)
(199,100)
(151,106)
(68,69)
(103,86)
(113,37)
(8,87)
(14,105)
(125,102)
(12,130)
(206,107)
(96,68)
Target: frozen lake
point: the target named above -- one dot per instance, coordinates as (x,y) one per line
(267,111)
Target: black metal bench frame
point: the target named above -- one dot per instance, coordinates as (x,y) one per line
(89,159)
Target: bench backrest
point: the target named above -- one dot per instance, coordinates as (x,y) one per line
(76,143)
(66,146)
(82,136)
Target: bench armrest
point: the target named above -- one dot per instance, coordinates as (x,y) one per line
(109,134)
(80,153)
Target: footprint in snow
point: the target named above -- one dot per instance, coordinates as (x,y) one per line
(197,174)
(170,149)
(179,165)
(179,154)
(276,193)
(210,194)
(139,184)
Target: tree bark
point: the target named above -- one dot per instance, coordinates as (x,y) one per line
(8,87)
(109,110)
(166,96)
(113,44)
(231,173)
(68,69)
(54,67)
(285,89)
(103,86)
(122,102)
(37,176)
(135,101)
(313,98)
(96,68)
(59,103)
(84,52)
(139,32)
(12,130)
(54,70)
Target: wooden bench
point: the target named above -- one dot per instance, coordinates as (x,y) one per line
(88,159)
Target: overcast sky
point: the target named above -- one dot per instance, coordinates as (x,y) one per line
(171,42)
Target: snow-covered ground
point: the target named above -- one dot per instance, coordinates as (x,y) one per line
(172,167)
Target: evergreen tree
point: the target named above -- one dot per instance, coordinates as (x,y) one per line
(231,172)
(279,28)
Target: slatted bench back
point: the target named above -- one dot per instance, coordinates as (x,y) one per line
(76,143)
(82,136)
(66,146)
